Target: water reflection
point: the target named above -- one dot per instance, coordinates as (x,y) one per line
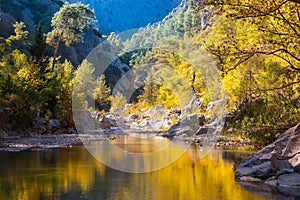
(75,174)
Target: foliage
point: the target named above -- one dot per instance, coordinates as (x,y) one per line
(19,32)
(102,94)
(185,23)
(255,45)
(151,90)
(38,48)
(28,86)
(38,12)
(29,82)
(68,25)
(118,102)
(85,84)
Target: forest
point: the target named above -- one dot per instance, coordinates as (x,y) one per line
(254,45)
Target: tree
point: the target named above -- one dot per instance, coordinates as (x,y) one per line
(84,87)
(151,89)
(102,93)
(256,46)
(38,48)
(272,25)
(19,32)
(68,26)
(115,41)
(118,103)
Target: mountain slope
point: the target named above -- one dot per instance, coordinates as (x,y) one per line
(122,15)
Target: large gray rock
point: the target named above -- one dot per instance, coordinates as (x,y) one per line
(204,130)
(42,126)
(198,119)
(289,184)
(53,125)
(261,168)
(106,122)
(39,126)
(280,159)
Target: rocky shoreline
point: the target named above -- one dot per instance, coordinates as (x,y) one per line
(39,143)
(51,141)
(277,165)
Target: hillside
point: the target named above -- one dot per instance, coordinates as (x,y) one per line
(121,15)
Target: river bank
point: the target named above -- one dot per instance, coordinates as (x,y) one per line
(51,141)
(39,143)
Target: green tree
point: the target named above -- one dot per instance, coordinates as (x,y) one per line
(150,90)
(38,48)
(102,94)
(19,32)
(85,84)
(68,26)
(273,27)
(255,44)
(118,102)
(116,41)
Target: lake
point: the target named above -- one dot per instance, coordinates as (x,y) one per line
(73,173)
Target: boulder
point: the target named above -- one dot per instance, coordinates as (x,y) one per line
(134,117)
(192,106)
(39,126)
(198,119)
(175,128)
(261,169)
(134,125)
(216,106)
(53,125)
(104,123)
(145,124)
(107,122)
(112,119)
(280,159)
(295,162)
(204,130)
(272,181)
(289,184)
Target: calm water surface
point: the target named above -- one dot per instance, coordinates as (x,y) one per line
(73,174)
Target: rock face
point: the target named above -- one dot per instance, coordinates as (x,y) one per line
(277,164)
(106,122)
(42,126)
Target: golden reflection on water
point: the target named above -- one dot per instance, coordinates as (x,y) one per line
(137,144)
(74,174)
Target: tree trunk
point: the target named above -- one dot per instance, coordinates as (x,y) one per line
(56,51)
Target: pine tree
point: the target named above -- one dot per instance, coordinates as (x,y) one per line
(151,90)
(68,26)
(38,48)
(102,94)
